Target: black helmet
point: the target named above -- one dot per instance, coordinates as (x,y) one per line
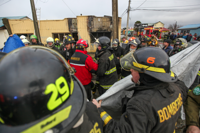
(134,42)
(151,61)
(167,41)
(68,40)
(39,92)
(104,42)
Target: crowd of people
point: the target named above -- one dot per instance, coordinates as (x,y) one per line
(50,89)
(187,36)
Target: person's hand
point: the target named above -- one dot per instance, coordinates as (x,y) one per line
(118,58)
(193,129)
(11,35)
(98,104)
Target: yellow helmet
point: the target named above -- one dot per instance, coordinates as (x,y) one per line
(126,42)
(56,39)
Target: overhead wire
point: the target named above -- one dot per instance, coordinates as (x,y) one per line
(68,7)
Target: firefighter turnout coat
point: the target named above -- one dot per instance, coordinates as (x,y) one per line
(150,110)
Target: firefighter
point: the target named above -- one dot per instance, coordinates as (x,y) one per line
(22,37)
(177,48)
(68,48)
(157,99)
(44,96)
(34,40)
(192,107)
(119,53)
(84,66)
(132,46)
(107,72)
(26,42)
(143,43)
(57,43)
(50,44)
(124,44)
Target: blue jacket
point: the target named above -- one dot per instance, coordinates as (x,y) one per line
(185,37)
(167,49)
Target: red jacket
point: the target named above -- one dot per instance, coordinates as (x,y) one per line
(84,66)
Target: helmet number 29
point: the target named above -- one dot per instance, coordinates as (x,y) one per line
(57,89)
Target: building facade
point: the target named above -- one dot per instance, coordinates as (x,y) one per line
(88,28)
(191,29)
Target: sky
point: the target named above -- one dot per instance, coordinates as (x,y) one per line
(181,11)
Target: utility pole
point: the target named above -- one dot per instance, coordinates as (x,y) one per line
(128,18)
(115,18)
(35,22)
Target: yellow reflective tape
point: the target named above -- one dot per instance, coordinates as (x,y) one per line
(111,57)
(102,114)
(110,71)
(50,122)
(149,68)
(172,74)
(106,86)
(1,120)
(107,119)
(71,86)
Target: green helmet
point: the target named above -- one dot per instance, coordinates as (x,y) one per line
(33,37)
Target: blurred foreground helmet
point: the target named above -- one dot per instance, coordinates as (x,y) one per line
(39,92)
(104,42)
(151,61)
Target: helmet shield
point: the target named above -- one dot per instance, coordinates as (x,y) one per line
(42,92)
(151,61)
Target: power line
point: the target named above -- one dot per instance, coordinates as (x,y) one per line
(141,4)
(5,2)
(68,7)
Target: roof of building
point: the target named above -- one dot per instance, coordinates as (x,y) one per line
(190,26)
(12,17)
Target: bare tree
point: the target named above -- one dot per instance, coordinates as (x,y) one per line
(174,27)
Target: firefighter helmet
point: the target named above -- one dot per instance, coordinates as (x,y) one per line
(41,93)
(151,61)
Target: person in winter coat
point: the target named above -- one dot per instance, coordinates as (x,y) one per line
(84,66)
(50,44)
(189,37)
(107,71)
(119,53)
(34,40)
(167,47)
(158,96)
(68,48)
(131,48)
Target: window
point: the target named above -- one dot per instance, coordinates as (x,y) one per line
(60,36)
(147,32)
(96,35)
